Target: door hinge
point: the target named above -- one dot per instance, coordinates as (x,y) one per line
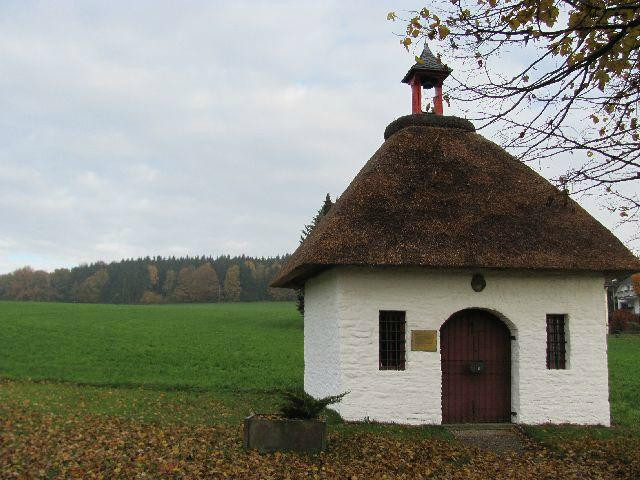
(513,414)
(513,337)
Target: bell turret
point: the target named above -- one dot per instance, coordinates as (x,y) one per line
(428,72)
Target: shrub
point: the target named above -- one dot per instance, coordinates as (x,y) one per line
(620,320)
(633,327)
(299,404)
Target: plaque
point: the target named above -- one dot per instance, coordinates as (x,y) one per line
(424,340)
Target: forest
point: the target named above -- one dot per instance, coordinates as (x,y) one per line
(152,280)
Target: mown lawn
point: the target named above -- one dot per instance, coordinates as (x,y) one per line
(111,391)
(237,347)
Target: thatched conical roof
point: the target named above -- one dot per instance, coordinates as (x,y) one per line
(439,195)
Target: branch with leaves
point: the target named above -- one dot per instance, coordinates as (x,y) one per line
(576,94)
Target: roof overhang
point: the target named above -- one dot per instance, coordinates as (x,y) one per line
(297,277)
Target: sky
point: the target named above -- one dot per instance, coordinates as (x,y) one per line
(186,128)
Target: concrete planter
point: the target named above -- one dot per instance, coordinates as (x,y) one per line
(268,433)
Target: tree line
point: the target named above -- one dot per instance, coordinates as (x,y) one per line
(152,280)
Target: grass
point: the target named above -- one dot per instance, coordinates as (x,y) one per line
(624,379)
(205,364)
(236,347)
(141,404)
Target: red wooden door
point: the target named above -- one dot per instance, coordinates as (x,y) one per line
(476,368)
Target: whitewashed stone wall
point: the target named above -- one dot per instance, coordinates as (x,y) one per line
(321,339)
(341,341)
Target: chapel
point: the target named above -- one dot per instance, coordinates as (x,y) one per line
(451,283)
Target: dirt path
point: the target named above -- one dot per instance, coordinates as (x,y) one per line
(498,438)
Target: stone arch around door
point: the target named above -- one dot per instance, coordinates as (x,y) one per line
(475,355)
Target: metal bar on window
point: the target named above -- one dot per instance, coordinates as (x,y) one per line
(392,340)
(556,342)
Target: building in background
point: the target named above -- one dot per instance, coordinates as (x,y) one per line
(625,297)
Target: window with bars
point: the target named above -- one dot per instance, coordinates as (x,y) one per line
(392,340)
(556,342)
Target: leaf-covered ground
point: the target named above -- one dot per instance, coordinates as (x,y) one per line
(111,392)
(37,445)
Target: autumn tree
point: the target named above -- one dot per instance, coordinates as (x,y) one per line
(182,292)
(27,284)
(153,276)
(149,297)
(232,288)
(573,90)
(90,290)
(205,285)
(16,284)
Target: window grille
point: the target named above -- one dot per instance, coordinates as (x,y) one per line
(392,340)
(556,342)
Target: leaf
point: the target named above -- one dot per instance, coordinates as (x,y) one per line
(34,444)
(443,31)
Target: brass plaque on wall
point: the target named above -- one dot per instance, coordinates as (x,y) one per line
(424,340)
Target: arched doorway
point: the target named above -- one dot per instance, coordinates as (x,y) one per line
(475,349)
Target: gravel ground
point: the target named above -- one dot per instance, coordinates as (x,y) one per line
(497,438)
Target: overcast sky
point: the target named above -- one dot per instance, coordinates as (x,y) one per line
(171,128)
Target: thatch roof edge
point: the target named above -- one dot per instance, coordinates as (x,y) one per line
(581,243)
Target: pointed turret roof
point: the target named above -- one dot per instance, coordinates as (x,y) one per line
(428,65)
(436,194)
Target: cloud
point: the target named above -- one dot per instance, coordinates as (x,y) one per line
(195,128)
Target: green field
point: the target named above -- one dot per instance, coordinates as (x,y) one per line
(232,347)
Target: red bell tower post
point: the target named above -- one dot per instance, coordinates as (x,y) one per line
(428,72)
(437,100)
(416,94)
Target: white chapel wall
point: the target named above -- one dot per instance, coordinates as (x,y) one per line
(578,394)
(321,343)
